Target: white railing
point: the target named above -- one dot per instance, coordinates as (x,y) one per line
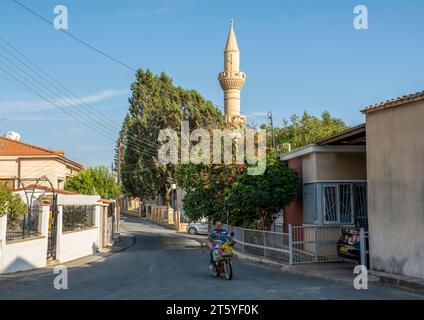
(302,244)
(264,243)
(311,244)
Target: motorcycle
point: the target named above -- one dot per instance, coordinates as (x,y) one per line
(222,258)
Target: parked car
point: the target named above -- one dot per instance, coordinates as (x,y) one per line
(349,245)
(198,228)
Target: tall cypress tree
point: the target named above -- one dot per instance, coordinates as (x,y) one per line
(157,104)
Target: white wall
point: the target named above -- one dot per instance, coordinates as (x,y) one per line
(70,200)
(73,245)
(78,244)
(22,255)
(27,254)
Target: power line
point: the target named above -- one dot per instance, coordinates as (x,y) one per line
(46,88)
(94,120)
(148,144)
(52,102)
(46,97)
(70,112)
(97,150)
(129,136)
(75,37)
(46,74)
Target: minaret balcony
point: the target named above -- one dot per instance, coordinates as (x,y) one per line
(232,74)
(232,80)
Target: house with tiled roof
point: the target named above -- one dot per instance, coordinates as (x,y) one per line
(333,174)
(370,176)
(23,161)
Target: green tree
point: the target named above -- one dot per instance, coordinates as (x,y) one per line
(122,134)
(95,181)
(157,104)
(306,129)
(12,205)
(255,199)
(251,200)
(205,187)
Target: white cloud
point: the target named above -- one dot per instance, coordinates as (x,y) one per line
(29,106)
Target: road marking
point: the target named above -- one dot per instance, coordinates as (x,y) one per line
(151,269)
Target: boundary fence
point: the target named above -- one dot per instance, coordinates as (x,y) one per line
(302,244)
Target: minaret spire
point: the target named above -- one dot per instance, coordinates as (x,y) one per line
(232,79)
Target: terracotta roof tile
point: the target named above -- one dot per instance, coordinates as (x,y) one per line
(10,147)
(105,201)
(47,189)
(418,96)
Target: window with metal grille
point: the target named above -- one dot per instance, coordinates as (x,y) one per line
(338,203)
(330,203)
(361,210)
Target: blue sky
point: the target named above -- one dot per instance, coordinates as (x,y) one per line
(298,55)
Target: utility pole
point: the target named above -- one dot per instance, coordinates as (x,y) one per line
(118,169)
(272,129)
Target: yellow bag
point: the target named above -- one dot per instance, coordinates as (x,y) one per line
(227,248)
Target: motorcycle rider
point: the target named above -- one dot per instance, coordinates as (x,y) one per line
(217,234)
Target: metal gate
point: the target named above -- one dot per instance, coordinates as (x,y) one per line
(312,244)
(37,192)
(52,231)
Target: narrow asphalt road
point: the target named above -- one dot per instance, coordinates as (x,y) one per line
(163,264)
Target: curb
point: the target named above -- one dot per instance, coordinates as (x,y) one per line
(112,251)
(400,282)
(287,268)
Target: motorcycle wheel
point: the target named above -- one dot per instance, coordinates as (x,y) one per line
(228,269)
(216,272)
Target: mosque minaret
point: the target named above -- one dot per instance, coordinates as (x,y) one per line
(232,79)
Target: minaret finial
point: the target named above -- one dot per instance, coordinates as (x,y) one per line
(232,21)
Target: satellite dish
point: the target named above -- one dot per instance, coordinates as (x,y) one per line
(12,135)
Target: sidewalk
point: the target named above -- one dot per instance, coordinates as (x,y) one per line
(340,272)
(123,243)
